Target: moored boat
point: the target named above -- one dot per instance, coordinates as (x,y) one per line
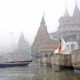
(15,63)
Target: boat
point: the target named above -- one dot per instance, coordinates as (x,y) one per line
(15,63)
(19,56)
(15,60)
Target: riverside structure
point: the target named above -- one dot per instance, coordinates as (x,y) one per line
(43,46)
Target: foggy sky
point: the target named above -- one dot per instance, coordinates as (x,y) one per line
(25,16)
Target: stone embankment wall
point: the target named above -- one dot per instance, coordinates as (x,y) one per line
(76,59)
(40,62)
(44,61)
(57,60)
(61,60)
(48,61)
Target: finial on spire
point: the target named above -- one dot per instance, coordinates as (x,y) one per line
(76,12)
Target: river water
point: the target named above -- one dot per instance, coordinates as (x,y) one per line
(34,72)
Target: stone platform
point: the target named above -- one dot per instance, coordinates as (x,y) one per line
(48,61)
(60,61)
(76,60)
(45,61)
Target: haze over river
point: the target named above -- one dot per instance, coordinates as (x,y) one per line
(34,72)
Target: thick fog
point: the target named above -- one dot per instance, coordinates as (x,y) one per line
(18,16)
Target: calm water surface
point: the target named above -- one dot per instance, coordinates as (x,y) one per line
(34,72)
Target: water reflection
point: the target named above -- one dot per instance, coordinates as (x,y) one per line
(33,72)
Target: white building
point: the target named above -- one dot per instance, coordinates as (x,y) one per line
(67,47)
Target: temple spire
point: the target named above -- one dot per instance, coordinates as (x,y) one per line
(22,41)
(43,21)
(76,12)
(22,37)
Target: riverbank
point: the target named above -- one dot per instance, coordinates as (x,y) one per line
(60,61)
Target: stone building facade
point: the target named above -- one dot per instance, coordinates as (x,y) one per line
(69,26)
(42,41)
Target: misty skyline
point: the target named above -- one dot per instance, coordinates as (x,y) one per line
(25,16)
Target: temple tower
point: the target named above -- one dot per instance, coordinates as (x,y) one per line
(42,39)
(22,44)
(69,26)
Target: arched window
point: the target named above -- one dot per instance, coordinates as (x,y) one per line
(46,55)
(51,54)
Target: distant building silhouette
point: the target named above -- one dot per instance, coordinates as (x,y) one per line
(69,26)
(20,54)
(22,43)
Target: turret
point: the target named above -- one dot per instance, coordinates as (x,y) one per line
(76,12)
